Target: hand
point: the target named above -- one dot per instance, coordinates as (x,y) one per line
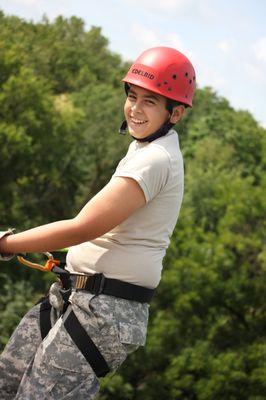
(4,256)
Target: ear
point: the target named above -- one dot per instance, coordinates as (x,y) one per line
(177,114)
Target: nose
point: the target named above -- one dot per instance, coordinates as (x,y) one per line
(136,107)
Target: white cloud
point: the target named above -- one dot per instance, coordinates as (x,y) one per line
(255,66)
(178,8)
(26,2)
(225,46)
(205,10)
(173,40)
(35,9)
(145,38)
(168,5)
(259,49)
(164,5)
(211,77)
(256,72)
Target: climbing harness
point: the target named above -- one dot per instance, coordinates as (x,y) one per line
(93,283)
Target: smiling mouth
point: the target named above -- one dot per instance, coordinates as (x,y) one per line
(137,121)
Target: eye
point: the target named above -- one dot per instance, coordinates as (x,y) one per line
(131,97)
(150,102)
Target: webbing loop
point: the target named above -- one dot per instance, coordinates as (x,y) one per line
(86,345)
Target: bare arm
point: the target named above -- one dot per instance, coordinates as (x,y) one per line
(120,198)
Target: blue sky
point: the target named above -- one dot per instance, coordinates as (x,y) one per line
(225,40)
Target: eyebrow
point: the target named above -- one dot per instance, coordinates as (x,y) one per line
(148,96)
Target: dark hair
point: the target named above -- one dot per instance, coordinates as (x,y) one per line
(170,104)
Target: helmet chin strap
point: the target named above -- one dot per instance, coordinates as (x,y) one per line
(155,135)
(123,128)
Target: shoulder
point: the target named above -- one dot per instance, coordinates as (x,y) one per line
(145,154)
(167,147)
(156,154)
(162,153)
(168,142)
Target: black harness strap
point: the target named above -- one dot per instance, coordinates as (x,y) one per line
(45,317)
(86,345)
(98,284)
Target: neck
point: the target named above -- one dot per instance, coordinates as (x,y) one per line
(155,135)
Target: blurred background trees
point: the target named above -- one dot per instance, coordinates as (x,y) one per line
(61,104)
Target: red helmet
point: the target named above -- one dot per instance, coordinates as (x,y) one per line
(165,71)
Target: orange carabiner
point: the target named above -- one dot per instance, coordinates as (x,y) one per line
(50,263)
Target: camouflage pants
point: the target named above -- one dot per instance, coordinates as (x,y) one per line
(55,368)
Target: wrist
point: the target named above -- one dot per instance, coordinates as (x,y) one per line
(4,256)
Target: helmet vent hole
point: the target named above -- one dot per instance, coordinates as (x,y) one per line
(158,84)
(165,82)
(169,89)
(194,78)
(186,74)
(174,76)
(190,81)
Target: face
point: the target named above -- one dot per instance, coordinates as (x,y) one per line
(145,111)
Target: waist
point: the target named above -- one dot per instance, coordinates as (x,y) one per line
(99,284)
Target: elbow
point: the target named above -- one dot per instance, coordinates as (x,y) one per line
(82,231)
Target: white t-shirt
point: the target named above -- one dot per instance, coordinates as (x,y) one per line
(133,251)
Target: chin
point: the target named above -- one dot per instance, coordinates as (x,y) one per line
(138,135)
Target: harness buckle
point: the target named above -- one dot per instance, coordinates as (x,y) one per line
(96,283)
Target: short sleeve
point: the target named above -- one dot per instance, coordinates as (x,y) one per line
(149,166)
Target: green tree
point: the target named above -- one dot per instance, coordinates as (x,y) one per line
(61,104)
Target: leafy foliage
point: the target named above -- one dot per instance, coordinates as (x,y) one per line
(60,107)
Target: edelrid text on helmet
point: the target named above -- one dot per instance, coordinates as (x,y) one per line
(142,73)
(165,71)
